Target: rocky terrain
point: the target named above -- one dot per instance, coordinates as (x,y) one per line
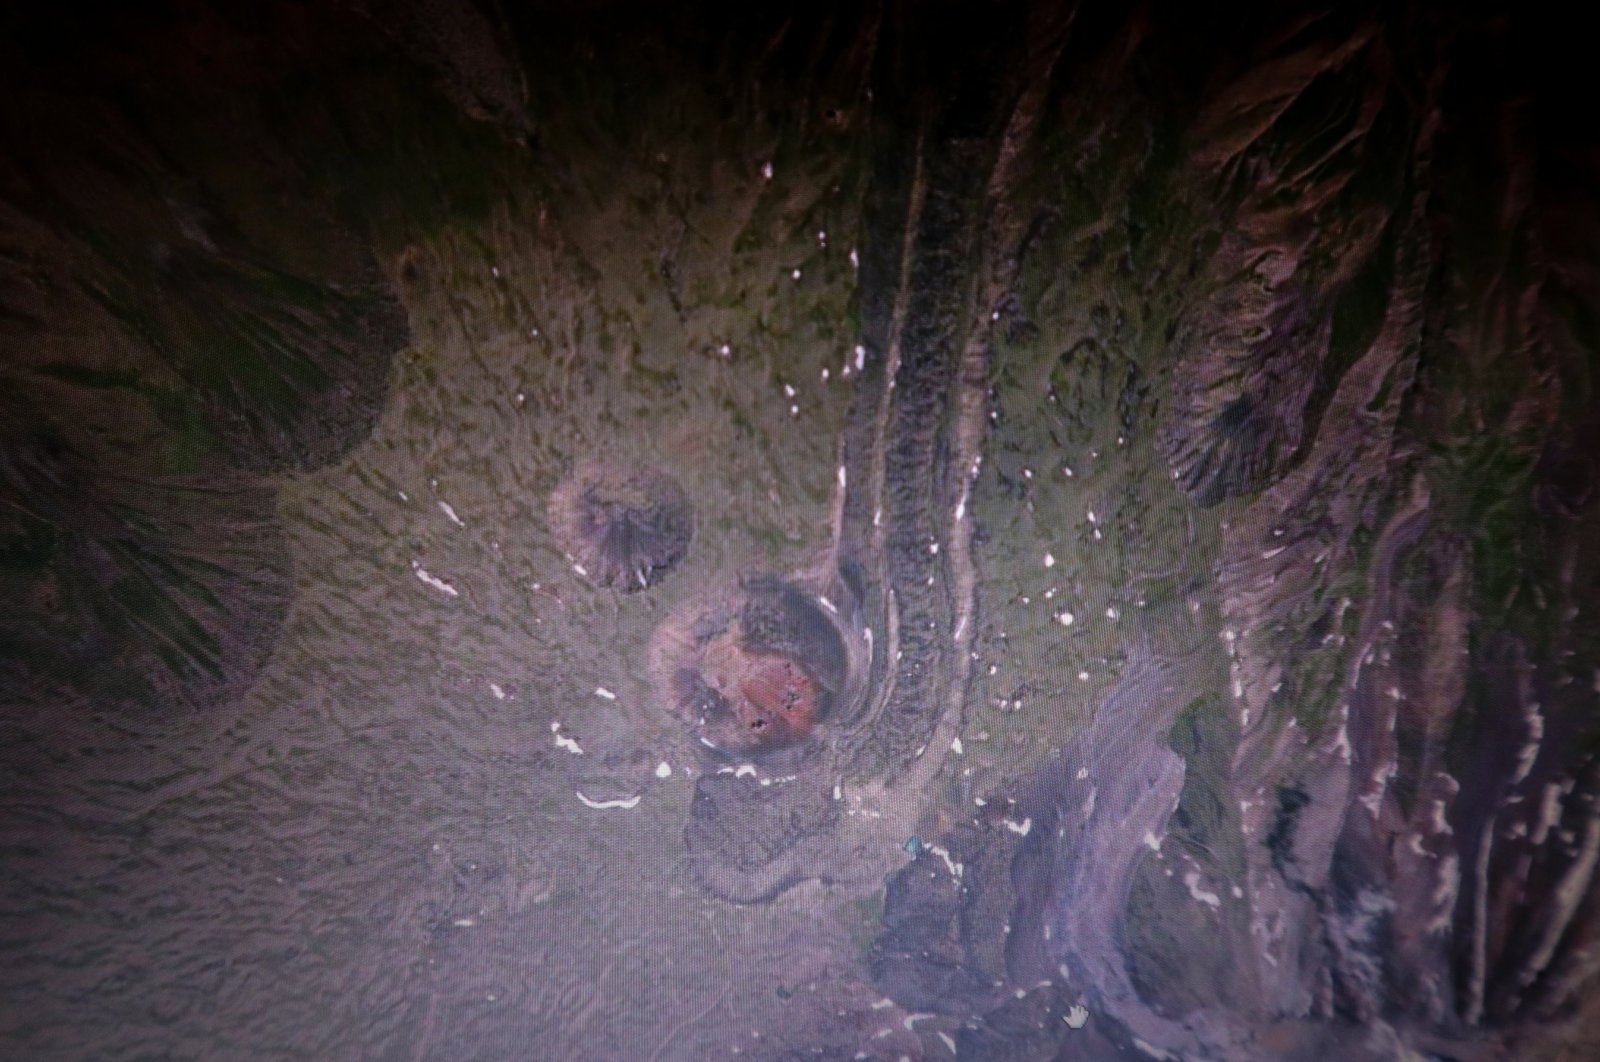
(1021,532)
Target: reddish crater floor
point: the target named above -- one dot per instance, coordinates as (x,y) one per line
(763,700)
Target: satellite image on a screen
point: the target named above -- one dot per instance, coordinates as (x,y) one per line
(604,531)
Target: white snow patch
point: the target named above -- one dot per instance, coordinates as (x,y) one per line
(1192,880)
(602,805)
(436,583)
(1373,798)
(950,864)
(445,508)
(1341,743)
(564,742)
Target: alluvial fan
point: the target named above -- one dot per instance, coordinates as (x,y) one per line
(129,593)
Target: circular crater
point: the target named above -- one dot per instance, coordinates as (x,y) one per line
(623,528)
(759,671)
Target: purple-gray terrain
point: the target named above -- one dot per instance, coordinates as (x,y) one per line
(843,531)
